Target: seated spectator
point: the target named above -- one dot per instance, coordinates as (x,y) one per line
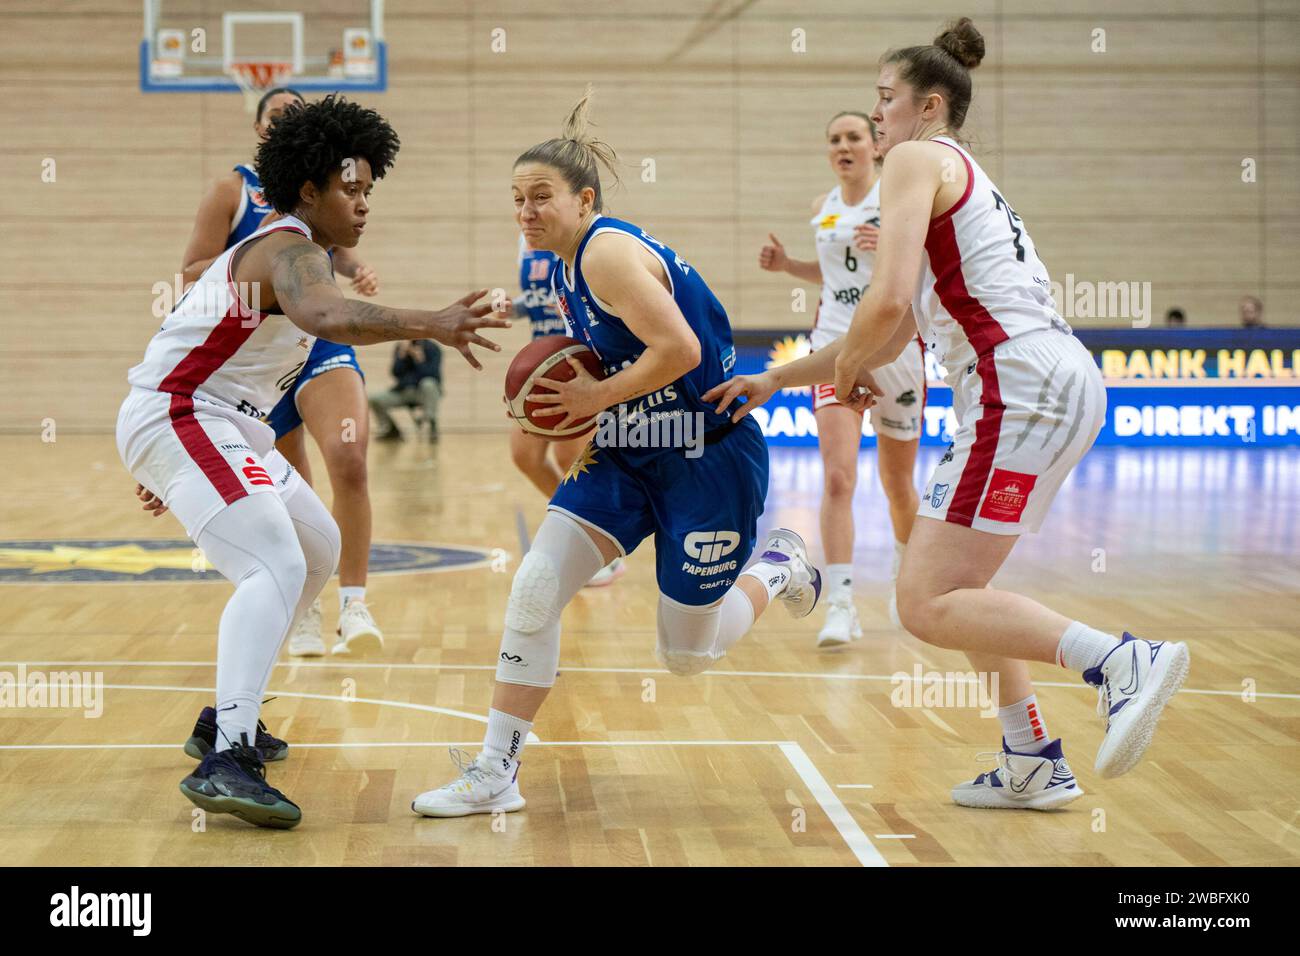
(417,367)
(1175,317)
(1252,312)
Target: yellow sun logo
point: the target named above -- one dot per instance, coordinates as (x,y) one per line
(828,221)
(579,466)
(787,350)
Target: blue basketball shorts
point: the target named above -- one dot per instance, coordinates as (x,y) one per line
(703,512)
(324,357)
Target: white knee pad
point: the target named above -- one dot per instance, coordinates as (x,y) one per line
(533,593)
(687,637)
(562,559)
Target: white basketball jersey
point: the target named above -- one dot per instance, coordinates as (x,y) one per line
(846,270)
(216,347)
(981,280)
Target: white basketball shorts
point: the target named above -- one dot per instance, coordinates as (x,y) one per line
(198,457)
(1026,414)
(898,413)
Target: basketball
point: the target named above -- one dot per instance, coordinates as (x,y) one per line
(541,359)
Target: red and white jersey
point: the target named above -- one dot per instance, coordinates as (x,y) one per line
(216,346)
(981,280)
(846,269)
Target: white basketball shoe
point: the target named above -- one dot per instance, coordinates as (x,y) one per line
(800,594)
(480,788)
(1135,681)
(1041,781)
(841,624)
(357,632)
(306,640)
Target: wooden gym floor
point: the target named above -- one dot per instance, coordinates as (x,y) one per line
(782,755)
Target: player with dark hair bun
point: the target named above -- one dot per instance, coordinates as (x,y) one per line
(955,261)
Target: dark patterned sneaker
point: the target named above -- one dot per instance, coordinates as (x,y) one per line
(234,781)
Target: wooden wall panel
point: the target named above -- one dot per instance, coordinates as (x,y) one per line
(1126,164)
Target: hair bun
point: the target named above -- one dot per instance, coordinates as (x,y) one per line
(962,42)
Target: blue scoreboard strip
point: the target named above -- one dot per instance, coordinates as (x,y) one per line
(1206,412)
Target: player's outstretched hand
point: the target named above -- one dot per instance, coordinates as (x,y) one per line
(458,324)
(755,389)
(365,281)
(151,501)
(772,256)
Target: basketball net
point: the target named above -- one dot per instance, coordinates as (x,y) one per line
(255,77)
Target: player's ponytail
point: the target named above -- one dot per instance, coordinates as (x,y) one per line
(944,66)
(577,154)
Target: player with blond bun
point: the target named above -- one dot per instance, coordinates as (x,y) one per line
(955,261)
(846,224)
(663,339)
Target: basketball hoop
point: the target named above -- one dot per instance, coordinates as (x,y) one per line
(255,77)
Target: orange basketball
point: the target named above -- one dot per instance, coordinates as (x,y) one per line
(539,360)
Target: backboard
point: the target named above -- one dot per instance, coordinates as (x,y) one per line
(201,46)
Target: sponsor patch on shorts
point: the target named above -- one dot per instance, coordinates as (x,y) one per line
(1007,495)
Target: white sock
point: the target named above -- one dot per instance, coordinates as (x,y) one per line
(839,583)
(1083,647)
(899,547)
(351,594)
(773,577)
(1023,726)
(504,741)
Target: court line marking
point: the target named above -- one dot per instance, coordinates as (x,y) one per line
(858,842)
(337,698)
(839,815)
(391,744)
(807,675)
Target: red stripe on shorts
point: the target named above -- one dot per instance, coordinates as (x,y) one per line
(975,474)
(200,448)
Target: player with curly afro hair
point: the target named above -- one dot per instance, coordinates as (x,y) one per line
(223,357)
(313,142)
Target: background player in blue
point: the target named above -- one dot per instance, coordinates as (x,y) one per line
(232,209)
(664,339)
(544,462)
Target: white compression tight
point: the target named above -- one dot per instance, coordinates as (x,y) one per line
(278,551)
(693,639)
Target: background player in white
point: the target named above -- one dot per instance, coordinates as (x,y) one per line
(190,429)
(1029,401)
(846,224)
(328,392)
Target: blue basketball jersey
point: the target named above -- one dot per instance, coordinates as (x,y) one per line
(536,268)
(616,346)
(252,208)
